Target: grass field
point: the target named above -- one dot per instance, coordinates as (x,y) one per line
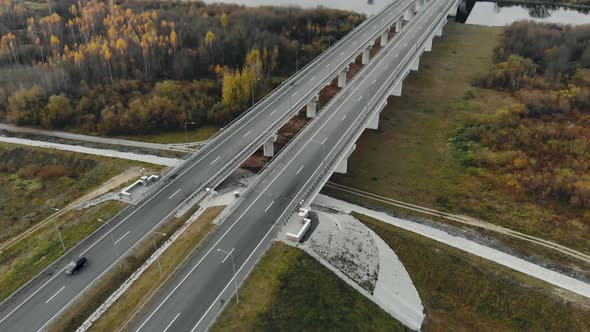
(33,181)
(410,157)
(290,291)
(22,261)
(462,292)
(195,135)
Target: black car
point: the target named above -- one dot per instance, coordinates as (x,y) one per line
(76,265)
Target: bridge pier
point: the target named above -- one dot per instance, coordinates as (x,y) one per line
(342,78)
(398,25)
(415,64)
(384,37)
(408,15)
(269,146)
(397,89)
(342,167)
(374,122)
(312,107)
(428,45)
(366,55)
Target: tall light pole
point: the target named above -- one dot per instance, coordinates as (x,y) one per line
(117,256)
(156,249)
(186,134)
(330,35)
(297,58)
(58,231)
(231,253)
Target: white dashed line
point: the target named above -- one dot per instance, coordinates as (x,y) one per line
(121,238)
(51,298)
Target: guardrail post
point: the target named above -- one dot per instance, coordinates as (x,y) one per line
(269,146)
(342,78)
(312,107)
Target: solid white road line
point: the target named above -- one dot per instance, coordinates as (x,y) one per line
(216,159)
(228,254)
(268,207)
(300,168)
(54,295)
(172,322)
(121,238)
(176,192)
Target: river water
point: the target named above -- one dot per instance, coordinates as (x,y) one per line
(481,13)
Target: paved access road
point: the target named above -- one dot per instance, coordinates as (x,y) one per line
(193,298)
(37,304)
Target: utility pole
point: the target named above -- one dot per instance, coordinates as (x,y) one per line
(231,253)
(58,231)
(186,134)
(156,249)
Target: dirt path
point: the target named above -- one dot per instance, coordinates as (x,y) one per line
(464,220)
(111,184)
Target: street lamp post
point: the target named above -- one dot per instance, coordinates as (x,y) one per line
(297,58)
(156,249)
(117,256)
(58,231)
(186,134)
(231,253)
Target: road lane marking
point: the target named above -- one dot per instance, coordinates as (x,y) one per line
(172,322)
(228,254)
(295,94)
(324,141)
(54,295)
(273,112)
(120,223)
(300,168)
(121,238)
(344,117)
(361,98)
(342,53)
(216,159)
(248,133)
(375,81)
(176,192)
(313,78)
(268,207)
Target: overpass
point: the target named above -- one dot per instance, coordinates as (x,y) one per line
(35,305)
(195,295)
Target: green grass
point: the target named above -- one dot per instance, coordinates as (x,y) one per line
(462,292)
(410,157)
(22,261)
(26,199)
(196,135)
(290,291)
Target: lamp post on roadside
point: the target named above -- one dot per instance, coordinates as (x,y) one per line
(58,231)
(186,134)
(231,253)
(156,249)
(117,256)
(297,58)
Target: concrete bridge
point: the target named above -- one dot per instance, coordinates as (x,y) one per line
(200,290)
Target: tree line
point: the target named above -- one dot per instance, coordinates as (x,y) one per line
(58,57)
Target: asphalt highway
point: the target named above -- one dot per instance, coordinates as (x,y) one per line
(197,293)
(36,305)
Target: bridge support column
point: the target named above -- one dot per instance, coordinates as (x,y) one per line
(428,45)
(342,167)
(374,122)
(342,78)
(439,32)
(366,55)
(312,107)
(269,146)
(408,15)
(397,89)
(415,64)
(417,5)
(398,25)
(384,37)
